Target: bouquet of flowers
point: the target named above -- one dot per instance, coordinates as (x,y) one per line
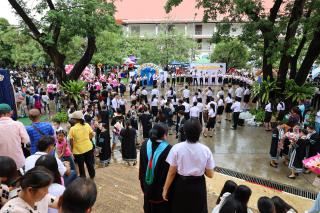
(313,164)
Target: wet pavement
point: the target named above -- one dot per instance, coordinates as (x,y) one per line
(244,150)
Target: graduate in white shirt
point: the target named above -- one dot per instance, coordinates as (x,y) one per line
(186,109)
(228,101)
(220,108)
(155,91)
(211,120)
(194,111)
(239,93)
(200,107)
(186,94)
(230,90)
(236,108)
(268,116)
(209,94)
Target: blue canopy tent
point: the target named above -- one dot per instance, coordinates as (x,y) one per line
(6,91)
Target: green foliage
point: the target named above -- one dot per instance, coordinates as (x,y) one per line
(259,114)
(109,48)
(73,89)
(232,52)
(298,93)
(18,48)
(61,117)
(162,49)
(264,89)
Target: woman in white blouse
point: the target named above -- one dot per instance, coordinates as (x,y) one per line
(189,161)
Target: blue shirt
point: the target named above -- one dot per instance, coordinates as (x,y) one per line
(34,135)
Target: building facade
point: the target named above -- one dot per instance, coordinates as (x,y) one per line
(148,18)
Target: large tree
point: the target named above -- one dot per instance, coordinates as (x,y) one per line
(161,49)
(232,52)
(286,30)
(54,24)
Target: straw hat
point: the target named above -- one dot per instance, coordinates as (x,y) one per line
(77,115)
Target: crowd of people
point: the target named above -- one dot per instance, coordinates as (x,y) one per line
(45,165)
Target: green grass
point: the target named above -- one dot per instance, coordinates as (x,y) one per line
(27,122)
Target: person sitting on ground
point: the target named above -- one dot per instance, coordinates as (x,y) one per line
(33,196)
(79,197)
(265,205)
(8,177)
(281,206)
(238,201)
(228,188)
(56,189)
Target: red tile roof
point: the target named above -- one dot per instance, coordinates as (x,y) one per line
(152,11)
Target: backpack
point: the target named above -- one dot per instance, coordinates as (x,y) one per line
(37,104)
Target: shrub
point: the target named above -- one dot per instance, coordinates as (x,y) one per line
(61,117)
(258,113)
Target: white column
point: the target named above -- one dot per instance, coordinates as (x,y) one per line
(157,29)
(186,29)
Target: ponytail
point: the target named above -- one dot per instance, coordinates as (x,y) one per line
(157,132)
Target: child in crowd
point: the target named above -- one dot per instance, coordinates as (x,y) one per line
(63,149)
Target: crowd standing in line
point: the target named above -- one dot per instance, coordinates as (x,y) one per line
(33,178)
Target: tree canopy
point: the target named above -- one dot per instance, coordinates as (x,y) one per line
(232,52)
(289,31)
(59,25)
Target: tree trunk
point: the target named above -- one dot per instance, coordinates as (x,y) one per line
(312,54)
(85,59)
(58,61)
(296,14)
(293,67)
(267,66)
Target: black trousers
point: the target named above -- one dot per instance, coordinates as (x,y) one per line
(235,117)
(88,159)
(195,81)
(201,81)
(173,82)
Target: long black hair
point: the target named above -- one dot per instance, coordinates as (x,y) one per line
(36,178)
(50,163)
(265,205)
(157,132)
(281,206)
(229,186)
(237,202)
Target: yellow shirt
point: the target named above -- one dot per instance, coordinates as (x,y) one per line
(80,134)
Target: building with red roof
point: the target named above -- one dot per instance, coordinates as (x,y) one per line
(147,18)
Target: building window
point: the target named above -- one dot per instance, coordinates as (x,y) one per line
(135,29)
(199,44)
(198,29)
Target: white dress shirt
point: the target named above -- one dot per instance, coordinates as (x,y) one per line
(236,106)
(281,106)
(32,159)
(186,93)
(194,112)
(239,92)
(187,107)
(268,108)
(115,103)
(155,92)
(191,159)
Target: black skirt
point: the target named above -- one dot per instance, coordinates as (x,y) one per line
(213,80)
(225,81)
(246,98)
(183,194)
(267,117)
(220,80)
(154,110)
(281,115)
(211,123)
(220,110)
(228,108)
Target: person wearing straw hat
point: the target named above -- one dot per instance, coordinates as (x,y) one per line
(80,136)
